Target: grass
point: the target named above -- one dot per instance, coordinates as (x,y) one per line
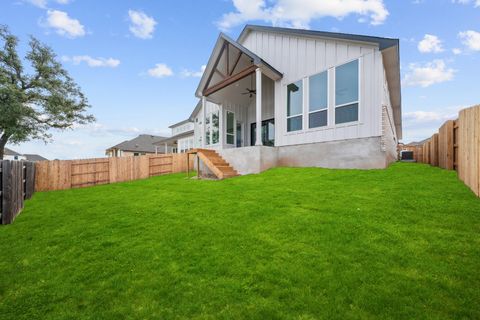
(289,243)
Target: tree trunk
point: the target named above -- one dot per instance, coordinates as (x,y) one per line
(3,142)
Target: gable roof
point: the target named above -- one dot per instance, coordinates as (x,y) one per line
(217,50)
(34,157)
(142,143)
(10,152)
(389,47)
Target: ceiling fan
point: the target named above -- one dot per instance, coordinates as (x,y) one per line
(250,92)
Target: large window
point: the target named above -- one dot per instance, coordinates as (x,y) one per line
(212,127)
(294,106)
(230,127)
(268,133)
(346,92)
(318,100)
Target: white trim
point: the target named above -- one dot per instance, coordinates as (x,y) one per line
(351,102)
(307,128)
(258,107)
(234,129)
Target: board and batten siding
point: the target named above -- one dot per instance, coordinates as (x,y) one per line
(298,57)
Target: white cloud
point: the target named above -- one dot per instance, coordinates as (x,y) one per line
(197,74)
(93,62)
(430,43)
(63,24)
(428,74)
(160,70)
(142,26)
(43,3)
(421,124)
(475,2)
(471,39)
(299,13)
(457,51)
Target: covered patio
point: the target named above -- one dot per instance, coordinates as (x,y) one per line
(237,93)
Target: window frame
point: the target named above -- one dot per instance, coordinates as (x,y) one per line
(357,102)
(319,110)
(226,128)
(301,114)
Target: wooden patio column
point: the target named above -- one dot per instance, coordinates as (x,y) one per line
(258,105)
(204,116)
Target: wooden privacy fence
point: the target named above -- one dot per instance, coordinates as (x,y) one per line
(16,185)
(455,147)
(66,174)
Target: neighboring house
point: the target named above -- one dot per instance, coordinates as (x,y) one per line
(141,145)
(9,154)
(321,99)
(13,155)
(182,138)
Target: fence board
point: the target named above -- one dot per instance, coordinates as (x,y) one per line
(434,150)
(66,174)
(16,185)
(469,148)
(445,146)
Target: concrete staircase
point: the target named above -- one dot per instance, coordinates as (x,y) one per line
(220,168)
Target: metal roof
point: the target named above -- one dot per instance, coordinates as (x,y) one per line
(173,139)
(383,43)
(10,152)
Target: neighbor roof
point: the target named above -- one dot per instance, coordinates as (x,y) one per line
(34,157)
(142,143)
(10,152)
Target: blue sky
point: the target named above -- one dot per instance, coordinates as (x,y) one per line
(139,61)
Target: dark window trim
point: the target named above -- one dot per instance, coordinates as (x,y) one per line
(252,136)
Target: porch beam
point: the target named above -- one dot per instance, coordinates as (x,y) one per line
(258,107)
(229,80)
(215,65)
(235,63)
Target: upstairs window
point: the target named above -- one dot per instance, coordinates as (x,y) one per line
(318,100)
(294,106)
(346,92)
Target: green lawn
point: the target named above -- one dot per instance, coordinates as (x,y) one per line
(289,243)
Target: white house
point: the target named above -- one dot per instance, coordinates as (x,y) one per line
(182,138)
(321,99)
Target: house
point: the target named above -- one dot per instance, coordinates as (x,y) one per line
(9,154)
(321,99)
(182,138)
(141,145)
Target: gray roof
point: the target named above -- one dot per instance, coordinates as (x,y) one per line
(383,43)
(173,139)
(10,152)
(142,143)
(180,123)
(34,157)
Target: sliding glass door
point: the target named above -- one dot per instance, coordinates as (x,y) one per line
(268,132)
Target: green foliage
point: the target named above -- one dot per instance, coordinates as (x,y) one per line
(31,104)
(400,243)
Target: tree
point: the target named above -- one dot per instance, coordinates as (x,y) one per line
(32,104)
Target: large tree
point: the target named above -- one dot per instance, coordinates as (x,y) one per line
(33,103)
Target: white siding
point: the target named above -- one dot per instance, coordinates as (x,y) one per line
(182,128)
(300,57)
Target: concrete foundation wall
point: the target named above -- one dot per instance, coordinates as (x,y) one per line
(364,153)
(249,160)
